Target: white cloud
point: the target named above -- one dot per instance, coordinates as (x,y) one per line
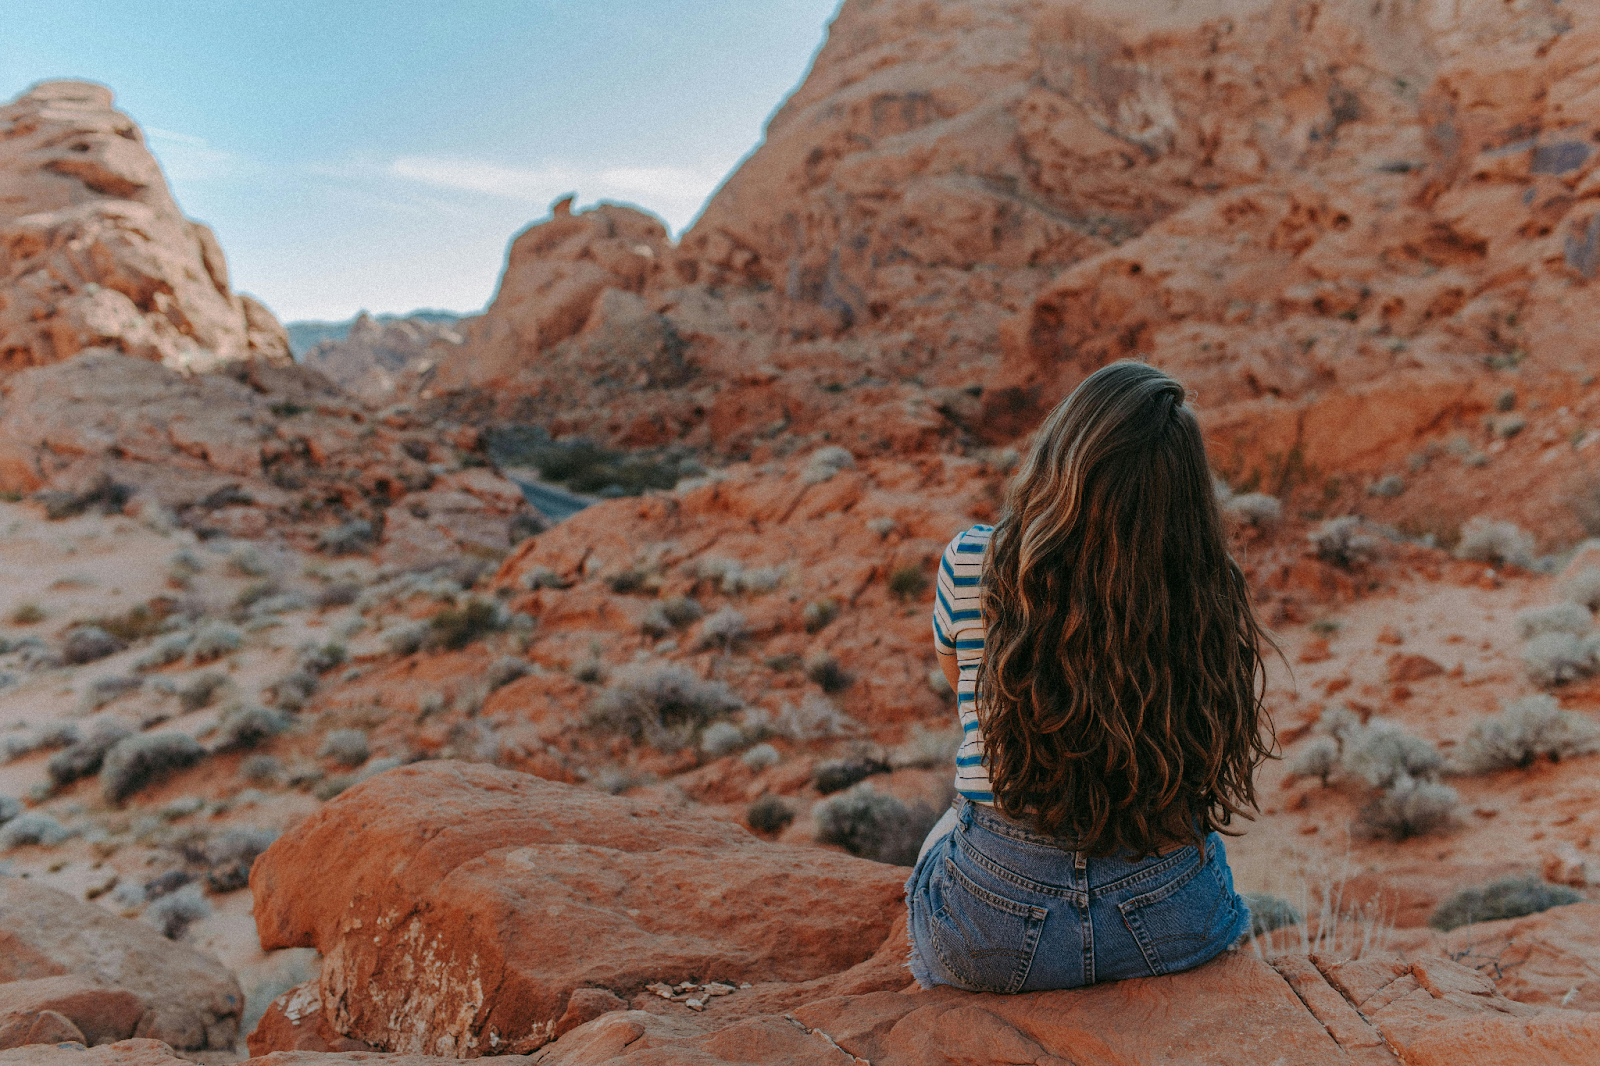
(676,193)
(186,157)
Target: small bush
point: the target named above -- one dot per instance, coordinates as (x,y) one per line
(873,825)
(348,747)
(199,690)
(720,738)
(320,658)
(407,639)
(455,628)
(908,583)
(927,749)
(104,495)
(505,670)
(757,582)
(1269,912)
(86,756)
(819,613)
(350,538)
(672,613)
(661,704)
(1584,588)
(629,581)
(1499,543)
(291,691)
(1256,509)
(760,757)
(213,640)
(139,761)
(1344,542)
(104,690)
(248,726)
(1511,897)
(175,912)
(9,809)
(1409,808)
(262,770)
(724,629)
(827,673)
(232,853)
(337,594)
(815,717)
(87,643)
(769,815)
(1552,659)
(1523,732)
(27,614)
(836,775)
(164,652)
(1318,757)
(1382,753)
(1557,618)
(247,560)
(825,462)
(590,671)
(32,828)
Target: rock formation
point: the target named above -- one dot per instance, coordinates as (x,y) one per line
(376,361)
(94,252)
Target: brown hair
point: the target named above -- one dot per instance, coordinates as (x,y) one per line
(1121,684)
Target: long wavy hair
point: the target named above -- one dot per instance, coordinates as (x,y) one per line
(1121,685)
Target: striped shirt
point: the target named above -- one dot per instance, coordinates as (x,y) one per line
(958,628)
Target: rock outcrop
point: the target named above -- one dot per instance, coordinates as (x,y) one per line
(94,252)
(378,361)
(108,976)
(473,903)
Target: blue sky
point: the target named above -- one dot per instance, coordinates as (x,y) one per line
(381,155)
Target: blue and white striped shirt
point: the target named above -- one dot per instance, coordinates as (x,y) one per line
(958,627)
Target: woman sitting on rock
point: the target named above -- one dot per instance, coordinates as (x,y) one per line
(1108,673)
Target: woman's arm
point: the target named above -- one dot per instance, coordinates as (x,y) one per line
(947,663)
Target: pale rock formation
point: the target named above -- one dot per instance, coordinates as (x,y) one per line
(377,361)
(94,251)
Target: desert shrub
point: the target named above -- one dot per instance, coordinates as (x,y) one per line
(1510,897)
(337,594)
(407,639)
(320,658)
(34,827)
(927,748)
(1584,588)
(660,704)
(1523,732)
(769,814)
(291,691)
(724,629)
(1256,509)
(197,691)
(1382,753)
(279,603)
(825,462)
(828,674)
(1408,808)
(350,538)
(1387,487)
(836,775)
(1486,541)
(675,612)
(761,756)
(1269,912)
(247,560)
(1318,757)
(505,670)
(908,583)
(231,854)
(819,613)
(1557,618)
(348,747)
(104,494)
(883,525)
(247,726)
(454,628)
(213,640)
(590,670)
(139,622)
(720,738)
(138,761)
(1552,659)
(103,690)
(756,582)
(262,770)
(175,912)
(1338,721)
(626,582)
(86,643)
(9,809)
(255,592)
(814,718)
(27,614)
(86,756)
(873,825)
(1344,542)
(164,652)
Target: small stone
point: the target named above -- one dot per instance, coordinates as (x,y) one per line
(694,1004)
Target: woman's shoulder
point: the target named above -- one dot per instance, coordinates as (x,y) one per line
(972,541)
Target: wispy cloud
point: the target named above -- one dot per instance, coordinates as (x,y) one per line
(675,193)
(186,157)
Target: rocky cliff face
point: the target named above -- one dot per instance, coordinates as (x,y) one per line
(376,361)
(94,252)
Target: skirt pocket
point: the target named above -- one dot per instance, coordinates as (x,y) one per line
(1187,920)
(984,940)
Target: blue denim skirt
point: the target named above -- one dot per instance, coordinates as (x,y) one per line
(996,907)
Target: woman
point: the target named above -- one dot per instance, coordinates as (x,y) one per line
(1108,673)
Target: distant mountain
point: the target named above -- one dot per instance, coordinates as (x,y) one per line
(303,336)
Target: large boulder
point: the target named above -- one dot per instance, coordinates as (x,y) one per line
(187,999)
(96,1013)
(470,903)
(94,251)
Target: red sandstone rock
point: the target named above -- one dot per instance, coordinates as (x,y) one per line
(187,998)
(471,902)
(94,252)
(97,1013)
(376,361)
(295,1022)
(122,1053)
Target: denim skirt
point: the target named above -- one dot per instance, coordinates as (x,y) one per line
(996,907)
